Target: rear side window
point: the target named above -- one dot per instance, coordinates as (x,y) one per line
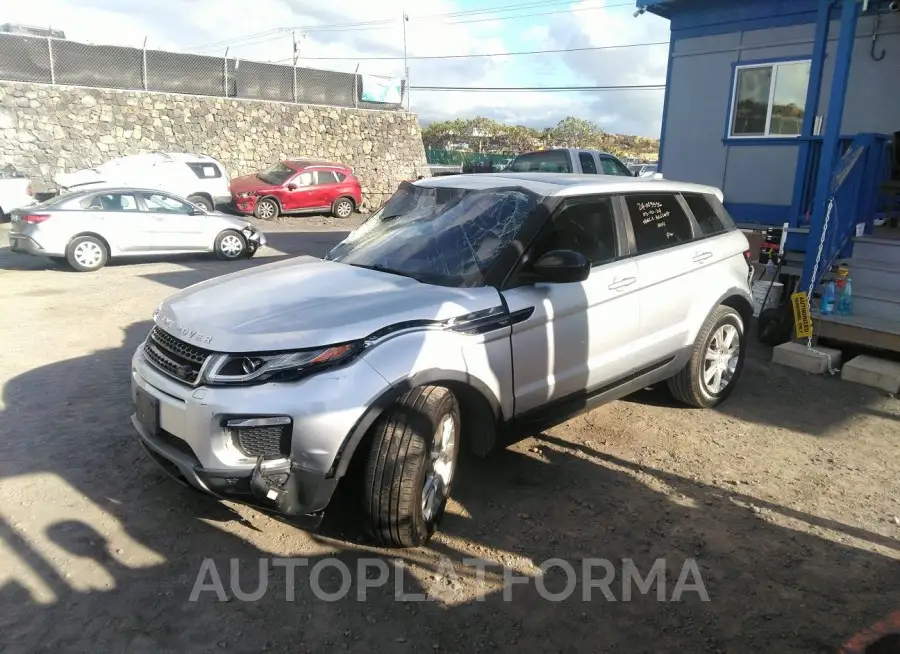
(588,167)
(658,221)
(325,177)
(549,161)
(110,202)
(205,170)
(341,176)
(709,213)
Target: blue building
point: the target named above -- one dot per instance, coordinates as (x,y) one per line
(792,108)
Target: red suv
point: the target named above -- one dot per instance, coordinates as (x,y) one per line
(298,186)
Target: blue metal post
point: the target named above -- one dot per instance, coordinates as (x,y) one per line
(813,92)
(843,57)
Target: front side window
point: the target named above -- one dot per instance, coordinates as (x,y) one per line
(614,167)
(158,202)
(658,221)
(587,227)
(549,161)
(769,99)
(588,167)
(438,235)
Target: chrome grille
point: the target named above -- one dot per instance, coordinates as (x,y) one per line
(174,357)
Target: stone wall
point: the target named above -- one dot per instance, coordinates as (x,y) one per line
(45,130)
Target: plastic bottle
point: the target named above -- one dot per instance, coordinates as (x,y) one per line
(845,298)
(828,297)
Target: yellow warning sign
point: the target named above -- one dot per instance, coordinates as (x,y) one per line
(802,318)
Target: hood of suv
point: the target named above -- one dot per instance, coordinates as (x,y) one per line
(248,183)
(307,302)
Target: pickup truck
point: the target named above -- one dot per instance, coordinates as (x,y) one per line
(15,191)
(569,160)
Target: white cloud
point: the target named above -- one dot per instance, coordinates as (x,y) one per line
(262,30)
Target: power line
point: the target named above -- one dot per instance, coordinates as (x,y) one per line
(545,89)
(534,4)
(491,54)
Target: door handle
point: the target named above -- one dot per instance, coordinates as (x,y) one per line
(700,257)
(619,284)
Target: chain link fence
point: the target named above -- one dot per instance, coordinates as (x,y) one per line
(57,61)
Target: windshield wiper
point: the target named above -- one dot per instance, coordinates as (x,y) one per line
(381,268)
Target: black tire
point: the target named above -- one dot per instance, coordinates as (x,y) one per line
(400,454)
(267,209)
(227,243)
(87,253)
(201,201)
(343,208)
(690,386)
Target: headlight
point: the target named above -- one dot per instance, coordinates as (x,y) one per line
(284,366)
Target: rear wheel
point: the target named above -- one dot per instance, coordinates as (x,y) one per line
(410,466)
(230,245)
(716,362)
(87,253)
(266,209)
(343,207)
(201,201)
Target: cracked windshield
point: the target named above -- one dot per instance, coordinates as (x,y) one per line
(442,235)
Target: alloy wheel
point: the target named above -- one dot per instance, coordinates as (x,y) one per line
(344,209)
(440,467)
(721,359)
(266,210)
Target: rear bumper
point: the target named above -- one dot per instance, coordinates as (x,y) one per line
(26,245)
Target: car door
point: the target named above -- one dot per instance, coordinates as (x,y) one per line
(575,337)
(669,267)
(298,193)
(588,163)
(327,188)
(180,225)
(116,216)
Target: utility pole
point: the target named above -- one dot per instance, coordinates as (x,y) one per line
(405,61)
(294,66)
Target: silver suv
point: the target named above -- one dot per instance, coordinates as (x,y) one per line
(467,309)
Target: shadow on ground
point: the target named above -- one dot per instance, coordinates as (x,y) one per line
(133,542)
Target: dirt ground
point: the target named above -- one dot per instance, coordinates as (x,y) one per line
(787,498)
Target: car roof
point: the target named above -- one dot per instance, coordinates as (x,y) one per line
(313,163)
(101,188)
(605,154)
(565,184)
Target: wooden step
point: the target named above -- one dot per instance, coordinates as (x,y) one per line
(859,329)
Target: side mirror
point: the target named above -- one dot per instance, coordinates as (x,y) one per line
(292,187)
(562,266)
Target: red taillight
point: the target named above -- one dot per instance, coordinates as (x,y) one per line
(747,255)
(34,218)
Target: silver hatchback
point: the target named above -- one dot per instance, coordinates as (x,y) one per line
(87,228)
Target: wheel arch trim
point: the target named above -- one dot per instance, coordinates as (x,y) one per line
(433,377)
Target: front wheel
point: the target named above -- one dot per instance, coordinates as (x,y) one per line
(410,466)
(266,209)
(716,362)
(230,245)
(86,254)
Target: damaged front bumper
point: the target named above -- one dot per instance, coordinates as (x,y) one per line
(276,486)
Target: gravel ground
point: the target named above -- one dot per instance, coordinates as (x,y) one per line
(786,499)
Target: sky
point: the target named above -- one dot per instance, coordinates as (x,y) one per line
(362,33)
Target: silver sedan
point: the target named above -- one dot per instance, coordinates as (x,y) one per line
(87,228)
